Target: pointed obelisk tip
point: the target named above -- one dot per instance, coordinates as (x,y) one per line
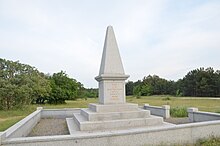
(109,27)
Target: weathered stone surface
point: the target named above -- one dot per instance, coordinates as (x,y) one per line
(111,76)
(113,107)
(111,63)
(163,111)
(197,116)
(85,125)
(94,116)
(113,112)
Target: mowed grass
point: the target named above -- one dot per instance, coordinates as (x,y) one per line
(203,103)
(8,118)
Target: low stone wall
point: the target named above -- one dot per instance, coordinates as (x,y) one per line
(198,116)
(23,127)
(2,137)
(59,113)
(174,134)
(163,111)
(179,134)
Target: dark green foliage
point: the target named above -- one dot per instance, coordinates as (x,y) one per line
(20,84)
(151,85)
(91,93)
(137,91)
(157,85)
(199,82)
(129,88)
(178,112)
(63,88)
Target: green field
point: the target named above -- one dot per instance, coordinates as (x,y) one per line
(8,118)
(203,103)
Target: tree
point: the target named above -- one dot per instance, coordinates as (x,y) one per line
(146,90)
(201,82)
(158,85)
(137,91)
(91,93)
(129,88)
(63,88)
(217,77)
(20,84)
(41,88)
(7,93)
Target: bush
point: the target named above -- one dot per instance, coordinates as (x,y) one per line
(178,112)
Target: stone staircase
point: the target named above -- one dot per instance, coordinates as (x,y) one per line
(113,116)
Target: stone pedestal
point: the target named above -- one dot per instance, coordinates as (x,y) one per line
(111,91)
(117,116)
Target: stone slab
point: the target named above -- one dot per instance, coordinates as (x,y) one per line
(113,107)
(97,116)
(157,135)
(112,91)
(199,116)
(163,111)
(59,113)
(72,126)
(85,125)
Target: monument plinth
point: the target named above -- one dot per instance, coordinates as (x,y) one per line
(111,76)
(112,111)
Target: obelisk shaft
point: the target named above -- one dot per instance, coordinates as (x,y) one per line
(111,76)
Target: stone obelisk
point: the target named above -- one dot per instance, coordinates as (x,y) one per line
(112,111)
(111,76)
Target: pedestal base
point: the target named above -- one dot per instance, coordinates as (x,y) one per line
(114,116)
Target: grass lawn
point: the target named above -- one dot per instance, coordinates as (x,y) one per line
(8,118)
(204,104)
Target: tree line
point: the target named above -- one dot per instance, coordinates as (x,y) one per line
(200,82)
(22,84)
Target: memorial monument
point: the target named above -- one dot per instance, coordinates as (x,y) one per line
(113,121)
(112,111)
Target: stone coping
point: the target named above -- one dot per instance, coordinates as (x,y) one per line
(157,107)
(99,134)
(111,77)
(207,113)
(62,109)
(21,123)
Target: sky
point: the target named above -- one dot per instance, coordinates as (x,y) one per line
(167,38)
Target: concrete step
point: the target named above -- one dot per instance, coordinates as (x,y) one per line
(85,125)
(72,126)
(98,116)
(78,118)
(113,107)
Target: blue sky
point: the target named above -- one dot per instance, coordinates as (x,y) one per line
(163,37)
